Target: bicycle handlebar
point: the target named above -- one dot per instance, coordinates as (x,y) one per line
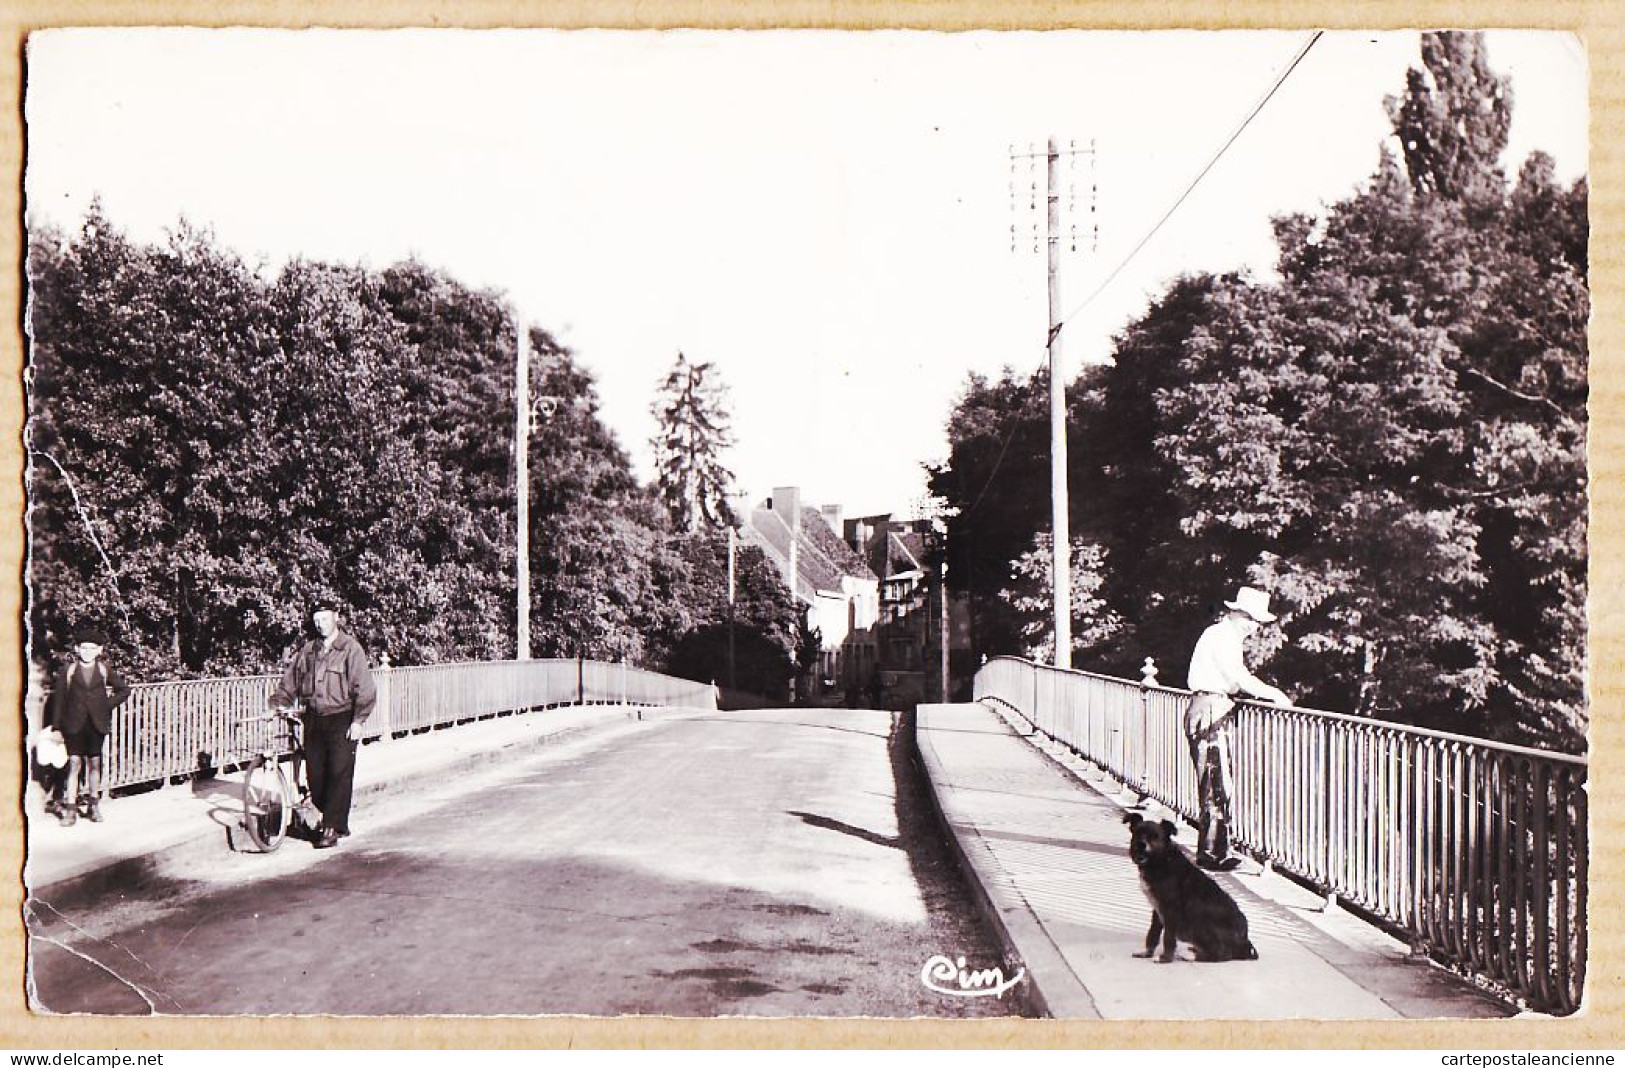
(290,715)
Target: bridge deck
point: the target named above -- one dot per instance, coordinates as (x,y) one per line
(1044,848)
(1049,853)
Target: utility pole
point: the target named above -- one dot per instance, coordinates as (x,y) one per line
(1061,541)
(1060,525)
(521,452)
(942,632)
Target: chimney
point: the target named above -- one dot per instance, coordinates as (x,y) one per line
(787,504)
(832,516)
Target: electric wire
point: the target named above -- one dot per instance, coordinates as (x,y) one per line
(1268,96)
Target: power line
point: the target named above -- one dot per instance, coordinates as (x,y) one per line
(1101,288)
(1304,51)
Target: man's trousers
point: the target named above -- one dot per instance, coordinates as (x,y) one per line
(330,766)
(1207,731)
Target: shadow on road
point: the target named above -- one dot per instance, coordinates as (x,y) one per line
(846,828)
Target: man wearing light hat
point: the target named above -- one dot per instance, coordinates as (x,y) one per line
(330,675)
(1217,673)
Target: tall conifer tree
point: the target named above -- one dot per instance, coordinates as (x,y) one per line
(690,478)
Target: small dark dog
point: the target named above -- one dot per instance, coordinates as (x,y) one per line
(1186,905)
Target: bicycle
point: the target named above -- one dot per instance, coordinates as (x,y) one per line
(273,797)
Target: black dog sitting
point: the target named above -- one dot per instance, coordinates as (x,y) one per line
(1187,905)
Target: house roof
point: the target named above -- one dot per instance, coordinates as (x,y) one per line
(904,552)
(822,559)
(892,546)
(872,523)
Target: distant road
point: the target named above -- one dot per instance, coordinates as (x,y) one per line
(765,863)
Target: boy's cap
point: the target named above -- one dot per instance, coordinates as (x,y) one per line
(89,636)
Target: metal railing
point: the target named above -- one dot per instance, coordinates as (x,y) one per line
(174,729)
(1476,851)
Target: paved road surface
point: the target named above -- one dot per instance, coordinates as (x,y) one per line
(764,863)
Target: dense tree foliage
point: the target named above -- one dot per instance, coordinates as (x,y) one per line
(146,465)
(463,344)
(1453,120)
(996,484)
(1389,436)
(764,618)
(209,449)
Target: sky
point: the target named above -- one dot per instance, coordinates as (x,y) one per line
(823,215)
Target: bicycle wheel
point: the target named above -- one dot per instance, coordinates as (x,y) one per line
(267,806)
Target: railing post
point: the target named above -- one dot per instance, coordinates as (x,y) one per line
(384,678)
(1142,755)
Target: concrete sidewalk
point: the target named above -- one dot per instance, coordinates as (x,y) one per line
(1048,855)
(91,857)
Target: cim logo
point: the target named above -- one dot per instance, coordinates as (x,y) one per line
(950,977)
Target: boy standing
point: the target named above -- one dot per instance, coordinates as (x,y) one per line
(81,708)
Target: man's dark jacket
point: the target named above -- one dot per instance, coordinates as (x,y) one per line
(330,682)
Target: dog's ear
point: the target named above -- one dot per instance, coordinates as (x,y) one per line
(1169,828)
(1133,819)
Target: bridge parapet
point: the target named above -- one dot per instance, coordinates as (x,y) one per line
(1475,851)
(173,729)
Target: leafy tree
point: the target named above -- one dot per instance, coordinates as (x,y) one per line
(138,435)
(1136,498)
(764,619)
(1339,439)
(1031,594)
(995,488)
(1453,119)
(458,380)
(809,648)
(597,542)
(692,410)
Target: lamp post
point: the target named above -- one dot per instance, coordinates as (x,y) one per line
(521,424)
(528,411)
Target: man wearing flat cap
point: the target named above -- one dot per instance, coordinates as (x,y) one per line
(81,709)
(1217,674)
(331,677)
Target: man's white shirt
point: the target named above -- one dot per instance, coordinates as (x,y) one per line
(1216,663)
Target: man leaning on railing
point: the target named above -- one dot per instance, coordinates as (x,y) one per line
(1217,673)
